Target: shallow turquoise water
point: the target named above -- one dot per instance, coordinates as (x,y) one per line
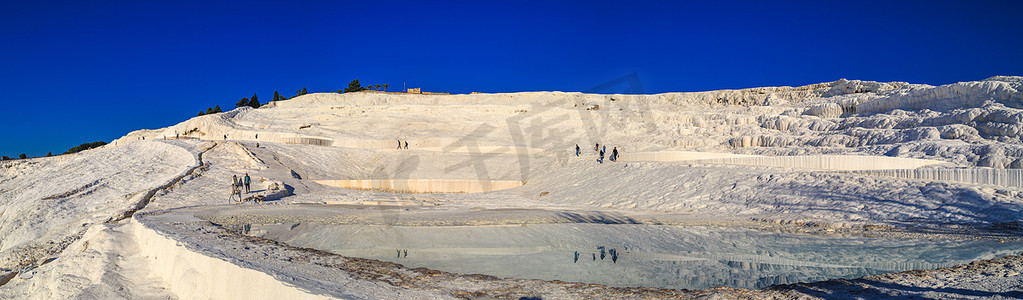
(679,257)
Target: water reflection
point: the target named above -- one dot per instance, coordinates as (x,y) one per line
(634,255)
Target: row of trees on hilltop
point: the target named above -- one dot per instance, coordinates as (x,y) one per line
(210,111)
(22,156)
(83,147)
(75,149)
(356,86)
(253,102)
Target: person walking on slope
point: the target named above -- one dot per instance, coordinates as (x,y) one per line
(247,181)
(596,147)
(234,188)
(601,159)
(576,149)
(406,145)
(399,144)
(614,154)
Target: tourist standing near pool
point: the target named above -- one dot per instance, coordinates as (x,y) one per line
(247,180)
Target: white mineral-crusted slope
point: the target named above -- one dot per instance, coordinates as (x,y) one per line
(106,263)
(724,192)
(46,201)
(968,123)
(46,204)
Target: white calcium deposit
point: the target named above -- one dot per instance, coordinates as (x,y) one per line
(844,155)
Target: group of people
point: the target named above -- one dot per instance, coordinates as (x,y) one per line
(601,150)
(399,144)
(238,184)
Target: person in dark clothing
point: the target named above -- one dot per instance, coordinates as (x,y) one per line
(246,180)
(399,144)
(576,149)
(596,147)
(601,159)
(406,144)
(614,154)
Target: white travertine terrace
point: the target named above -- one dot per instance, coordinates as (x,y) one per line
(836,155)
(424,185)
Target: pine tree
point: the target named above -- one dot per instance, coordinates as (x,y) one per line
(304,91)
(209,111)
(48,154)
(253,102)
(386,86)
(23,156)
(243,102)
(378,87)
(201,113)
(216,109)
(354,86)
(254,98)
(277,96)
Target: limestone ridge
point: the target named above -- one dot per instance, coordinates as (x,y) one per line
(975,123)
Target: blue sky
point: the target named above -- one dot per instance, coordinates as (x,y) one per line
(78,71)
